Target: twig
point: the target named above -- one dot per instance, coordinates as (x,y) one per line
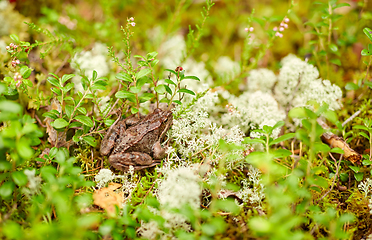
(354,115)
(149,190)
(336,175)
(336,141)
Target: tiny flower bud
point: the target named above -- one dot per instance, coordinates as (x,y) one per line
(15,46)
(246,29)
(251,29)
(275,29)
(133,24)
(278,34)
(281,29)
(131,19)
(7,48)
(285,25)
(11,44)
(282,24)
(17,61)
(286,19)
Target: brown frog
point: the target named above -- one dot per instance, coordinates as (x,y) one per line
(139,144)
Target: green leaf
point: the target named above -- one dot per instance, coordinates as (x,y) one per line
(351,86)
(364,135)
(57,91)
(281,153)
(177,101)
(14,37)
(124,76)
(321,147)
(5,165)
(360,127)
(142,73)
(19,178)
(172,71)
(368,83)
(84,82)
(341,5)
(320,181)
(84,120)
(333,47)
(90,140)
(68,87)
(24,149)
(297,112)
(67,77)
(124,94)
(25,71)
(69,109)
(184,90)
(146,97)
(228,205)
(10,106)
(98,86)
(358,176)
(170,82)
(344,177)
(168,89)
(94,75)
(365,52)
(282,138)
(249,140)
(336,61)
(51,115)
(135,89)
(260,225)
(75,139)
(160,89)
(368,32)
(134,110)
(6,189)
(337,150)
(366,162)
(54,81)
(109,122)
(82,110)
(191,77)
(355,168)
(60,123)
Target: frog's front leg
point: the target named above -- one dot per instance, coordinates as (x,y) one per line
(138,160)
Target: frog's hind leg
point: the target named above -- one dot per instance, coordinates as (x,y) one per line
(138,160)
(108,142)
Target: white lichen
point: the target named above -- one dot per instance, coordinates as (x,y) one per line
(261,80)
(86,62)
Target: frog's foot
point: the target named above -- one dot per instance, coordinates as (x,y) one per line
(138,160)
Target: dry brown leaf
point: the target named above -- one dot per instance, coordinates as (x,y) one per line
(106,198)
(56,139)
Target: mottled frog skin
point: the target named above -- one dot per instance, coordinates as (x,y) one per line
(139,144)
